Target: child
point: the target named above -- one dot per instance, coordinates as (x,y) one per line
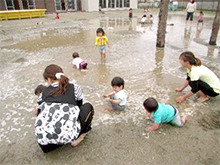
(78,62)
(143,19)
(199,78)
(151,18)
(37,92)
(130,14)
(163,113)
(57,16)
(200,18)
(117,99)
(101,41)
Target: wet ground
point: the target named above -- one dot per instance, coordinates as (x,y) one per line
(26,48)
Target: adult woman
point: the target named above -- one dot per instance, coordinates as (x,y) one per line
(199,78)
(190,8)
(64,119)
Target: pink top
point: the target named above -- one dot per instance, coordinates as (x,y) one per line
(200,17)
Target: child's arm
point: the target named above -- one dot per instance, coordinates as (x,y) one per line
(180,89)
(108,44)
(115,101)
(154,127)
(108,95)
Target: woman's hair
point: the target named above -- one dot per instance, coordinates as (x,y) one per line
(189,56)
(118,81)
(150,104)
(75,54)
(100,30)
(51,72)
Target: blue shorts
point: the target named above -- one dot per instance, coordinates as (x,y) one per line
(189,15)
(102,48)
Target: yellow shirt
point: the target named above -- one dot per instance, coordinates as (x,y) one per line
(206,75)
(100,41)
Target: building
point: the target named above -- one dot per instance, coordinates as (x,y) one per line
(67,5)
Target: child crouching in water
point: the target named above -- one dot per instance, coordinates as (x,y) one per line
(37,92)
(78,62)
(163,113)
(117,99)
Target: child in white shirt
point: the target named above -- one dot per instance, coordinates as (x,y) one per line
(78,62)
(117,99)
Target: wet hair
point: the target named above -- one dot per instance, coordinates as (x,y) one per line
(50,72)
(189,56)
(39,89)
(75,54)
(100,30)
(118,81)
(150,104)
(144,15)
(151,15)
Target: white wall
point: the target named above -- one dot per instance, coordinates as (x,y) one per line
(90,5)
(133,4)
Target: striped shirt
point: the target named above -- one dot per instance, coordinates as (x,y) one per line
(77,92)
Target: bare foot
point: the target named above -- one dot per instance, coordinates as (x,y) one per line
(78,140)
(106,110)
(184,119)
(203,99)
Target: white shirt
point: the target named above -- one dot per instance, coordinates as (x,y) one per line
(77,61)
(143,19)
(120,95)
(191,7)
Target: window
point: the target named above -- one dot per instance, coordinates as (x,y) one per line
(126,3)
(102,3)
(72,4)
(119,3)
(58,4)
(111,4)
(31,4)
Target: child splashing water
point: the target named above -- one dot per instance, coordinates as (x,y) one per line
(200,78)
(101,41)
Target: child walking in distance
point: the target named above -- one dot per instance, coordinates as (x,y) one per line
(101,41)
(78,62)
(117,99)
(200,78)
(37,92)
(200,18)
(163,113)
(130,14)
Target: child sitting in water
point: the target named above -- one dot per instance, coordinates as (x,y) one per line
(117,99)
(163,113)
(78,62)
(37,92)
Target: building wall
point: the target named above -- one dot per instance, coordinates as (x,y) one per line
(49,5)
(2,5)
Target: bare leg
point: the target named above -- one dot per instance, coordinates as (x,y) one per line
(202,97)
(184,119)
(78,140)
(108,109)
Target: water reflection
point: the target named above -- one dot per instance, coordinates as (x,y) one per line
(187,37)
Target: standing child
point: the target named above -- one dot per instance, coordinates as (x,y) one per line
(78,62)
(200,78)
(130,14)
(37,92)
(101,41)
(200,18)
(163,113)
(117,99)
